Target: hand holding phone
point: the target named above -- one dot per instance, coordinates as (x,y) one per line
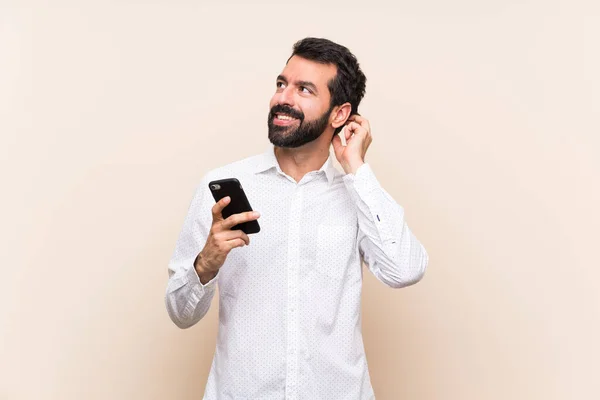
(233,220)
(239,202)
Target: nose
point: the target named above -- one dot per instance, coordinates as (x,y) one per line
(286,97)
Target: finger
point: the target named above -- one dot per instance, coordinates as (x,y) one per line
(353,128)
(244,237)
(217,209)
(338,147)
(239,218)
(360,120)
(236,234)
(232,244)
(342,135)
(337,141)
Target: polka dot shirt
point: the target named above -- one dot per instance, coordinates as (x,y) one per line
(289,303)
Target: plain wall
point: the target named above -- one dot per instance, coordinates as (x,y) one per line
(485,124)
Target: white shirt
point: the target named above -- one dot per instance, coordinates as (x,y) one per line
(289,303)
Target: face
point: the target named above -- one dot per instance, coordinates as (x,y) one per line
(300,108)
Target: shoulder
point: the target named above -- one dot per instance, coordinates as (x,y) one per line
(234,169)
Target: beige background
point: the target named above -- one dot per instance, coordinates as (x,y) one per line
(485,123)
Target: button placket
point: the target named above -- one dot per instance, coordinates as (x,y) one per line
(292,295)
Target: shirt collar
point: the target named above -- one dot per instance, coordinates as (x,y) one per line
(267,160)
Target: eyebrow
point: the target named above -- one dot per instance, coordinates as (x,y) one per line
(307,84)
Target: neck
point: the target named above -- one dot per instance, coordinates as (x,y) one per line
(298,161)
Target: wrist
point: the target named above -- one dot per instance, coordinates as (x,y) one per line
(352,166)
(204,275)
(200,266)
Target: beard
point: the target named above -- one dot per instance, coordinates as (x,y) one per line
(291,136)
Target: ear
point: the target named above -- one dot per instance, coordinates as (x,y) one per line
(340,114)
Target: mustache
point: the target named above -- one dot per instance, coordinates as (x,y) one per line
(286,110)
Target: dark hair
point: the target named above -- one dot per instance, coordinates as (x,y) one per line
(349,83)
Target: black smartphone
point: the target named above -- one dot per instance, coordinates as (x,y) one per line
(239,202)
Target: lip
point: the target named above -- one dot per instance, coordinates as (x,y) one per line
(281,122)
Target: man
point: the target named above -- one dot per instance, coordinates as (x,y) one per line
(289,296)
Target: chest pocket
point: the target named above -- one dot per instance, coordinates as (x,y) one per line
(336,245)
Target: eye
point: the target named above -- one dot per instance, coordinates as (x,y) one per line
(280,85)
(304,89)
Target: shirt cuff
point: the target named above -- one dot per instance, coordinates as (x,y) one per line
(194,279)
(363,181)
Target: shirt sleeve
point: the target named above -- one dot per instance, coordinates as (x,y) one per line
(388,247)
(187,299)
